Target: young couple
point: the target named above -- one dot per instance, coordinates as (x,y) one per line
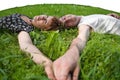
(67,66)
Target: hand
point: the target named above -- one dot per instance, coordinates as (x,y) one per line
(47,63)
(49,70)
(37,56)
(114,15)
(66,68)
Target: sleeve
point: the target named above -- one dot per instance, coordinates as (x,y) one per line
(92,22)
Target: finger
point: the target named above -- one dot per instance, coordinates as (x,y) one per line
(69,77)
(117,17)
(61,74)
(76,72)
(49,72)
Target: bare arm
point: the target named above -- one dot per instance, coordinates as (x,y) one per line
(69,61)
(27,46)
(80,41)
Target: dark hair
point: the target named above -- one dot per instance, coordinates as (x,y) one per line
(55,24)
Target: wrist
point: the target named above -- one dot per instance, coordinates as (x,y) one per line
(73,53)
(41,59)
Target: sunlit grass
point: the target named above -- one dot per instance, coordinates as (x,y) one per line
(100,60)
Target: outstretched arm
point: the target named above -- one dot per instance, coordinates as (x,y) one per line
(27,46)
(68,63)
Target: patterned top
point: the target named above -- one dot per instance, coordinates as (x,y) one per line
(14,23)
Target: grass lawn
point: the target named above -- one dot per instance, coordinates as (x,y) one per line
(100,60)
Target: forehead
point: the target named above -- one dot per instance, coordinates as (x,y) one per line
(42,15)
(69,15)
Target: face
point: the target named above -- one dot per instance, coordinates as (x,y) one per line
(42,21)
(69,20)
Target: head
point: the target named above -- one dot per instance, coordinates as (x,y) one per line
(45,22)
(69,21)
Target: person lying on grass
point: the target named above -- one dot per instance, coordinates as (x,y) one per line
(67,66)
(22,25)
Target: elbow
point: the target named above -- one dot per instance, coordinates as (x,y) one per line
(24,47)
(24,40)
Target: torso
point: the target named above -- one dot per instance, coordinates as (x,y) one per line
(15,23)
(102,23)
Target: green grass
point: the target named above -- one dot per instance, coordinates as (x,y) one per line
(100,60)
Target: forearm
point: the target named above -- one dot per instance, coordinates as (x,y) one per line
(35,54)
(76,47)
(79,42)
(27,46)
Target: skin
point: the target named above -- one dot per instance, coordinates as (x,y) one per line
(114,15)
(66,71)
(37,56)
(69,63)
(41,21)
(26,45)
(70,20)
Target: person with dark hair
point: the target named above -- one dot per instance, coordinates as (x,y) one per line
(67,66)
(22,25)
(18,22)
